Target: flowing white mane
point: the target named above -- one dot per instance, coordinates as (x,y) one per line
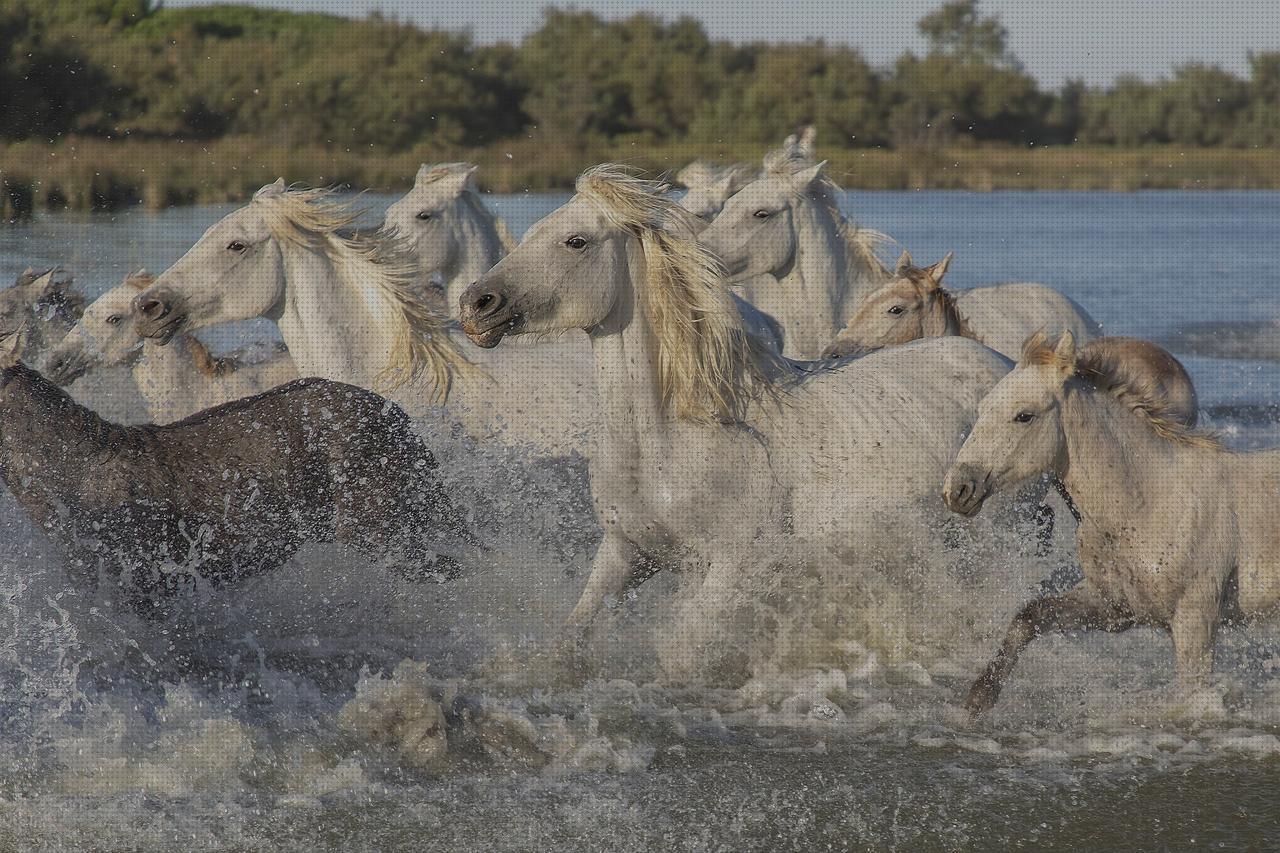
(1110,375)
(709,368)
(379,269)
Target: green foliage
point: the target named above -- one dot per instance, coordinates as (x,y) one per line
(957,30)
(131,68)
(229,21)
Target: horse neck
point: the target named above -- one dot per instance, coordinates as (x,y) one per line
(479,248)
(820,269)
(331,330)
(180,369)
(809,291)
(1112,457)
(42,428)
(625,352)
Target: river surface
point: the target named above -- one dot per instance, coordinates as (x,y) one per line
(846,736)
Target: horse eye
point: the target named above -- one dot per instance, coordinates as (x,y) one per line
(236,246)
(114,319)
(424,215)
(762,214)
(1024,417)
(895,310)
(576,242)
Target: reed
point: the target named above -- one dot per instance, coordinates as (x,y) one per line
(99,174)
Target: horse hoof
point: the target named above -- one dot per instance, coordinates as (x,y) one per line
(982,698)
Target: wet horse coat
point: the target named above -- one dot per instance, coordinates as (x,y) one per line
(229,493)
(1176,532)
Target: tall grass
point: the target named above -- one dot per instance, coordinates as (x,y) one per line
(96,174)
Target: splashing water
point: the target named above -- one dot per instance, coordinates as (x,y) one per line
(334,704)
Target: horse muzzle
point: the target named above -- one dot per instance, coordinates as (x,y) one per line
(487,314)
(842,349)
(966,488)
(160,315)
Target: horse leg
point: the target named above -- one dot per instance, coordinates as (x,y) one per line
(1195,629)
(691,650)
(1077,609)
(613,568)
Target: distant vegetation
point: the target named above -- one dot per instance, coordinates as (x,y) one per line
(339,89)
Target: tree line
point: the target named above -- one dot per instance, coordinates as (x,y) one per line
(133,69)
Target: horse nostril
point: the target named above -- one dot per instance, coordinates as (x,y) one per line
(153,309)
(486,303)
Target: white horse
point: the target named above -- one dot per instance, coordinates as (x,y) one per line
(1175,532)
(709,186)
(914,304)
(176,380)
(710,443)
(785,243)
(349,310)
(454,235)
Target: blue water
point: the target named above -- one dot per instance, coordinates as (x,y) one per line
(1086,751)
(1144,264)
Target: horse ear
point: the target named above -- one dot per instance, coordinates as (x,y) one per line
(805,177)
(904,264)
(140,280)
(1065,351)
(458,181)
(272,189)
(723,185)
(423,171)
(807,143)
(938,270)
(11,346)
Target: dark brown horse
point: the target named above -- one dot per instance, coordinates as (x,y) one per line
(228,493)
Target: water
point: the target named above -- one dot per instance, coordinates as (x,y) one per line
(848,735)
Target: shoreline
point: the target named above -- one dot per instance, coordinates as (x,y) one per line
(84,174)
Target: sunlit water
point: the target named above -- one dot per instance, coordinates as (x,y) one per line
(846,735)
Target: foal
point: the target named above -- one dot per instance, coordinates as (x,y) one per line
(226,494)
(913,304)
(1175,532)
(176,380)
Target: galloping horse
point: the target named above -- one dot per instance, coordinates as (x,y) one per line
(350,310)
(711,443)
(226,494)
(783,240)
(914,304)
(448,228)
(1176,532)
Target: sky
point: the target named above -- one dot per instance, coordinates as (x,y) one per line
(1057,40)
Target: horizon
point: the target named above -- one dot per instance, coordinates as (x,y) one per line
(1055,42)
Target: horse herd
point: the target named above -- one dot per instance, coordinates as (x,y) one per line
(750,374)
